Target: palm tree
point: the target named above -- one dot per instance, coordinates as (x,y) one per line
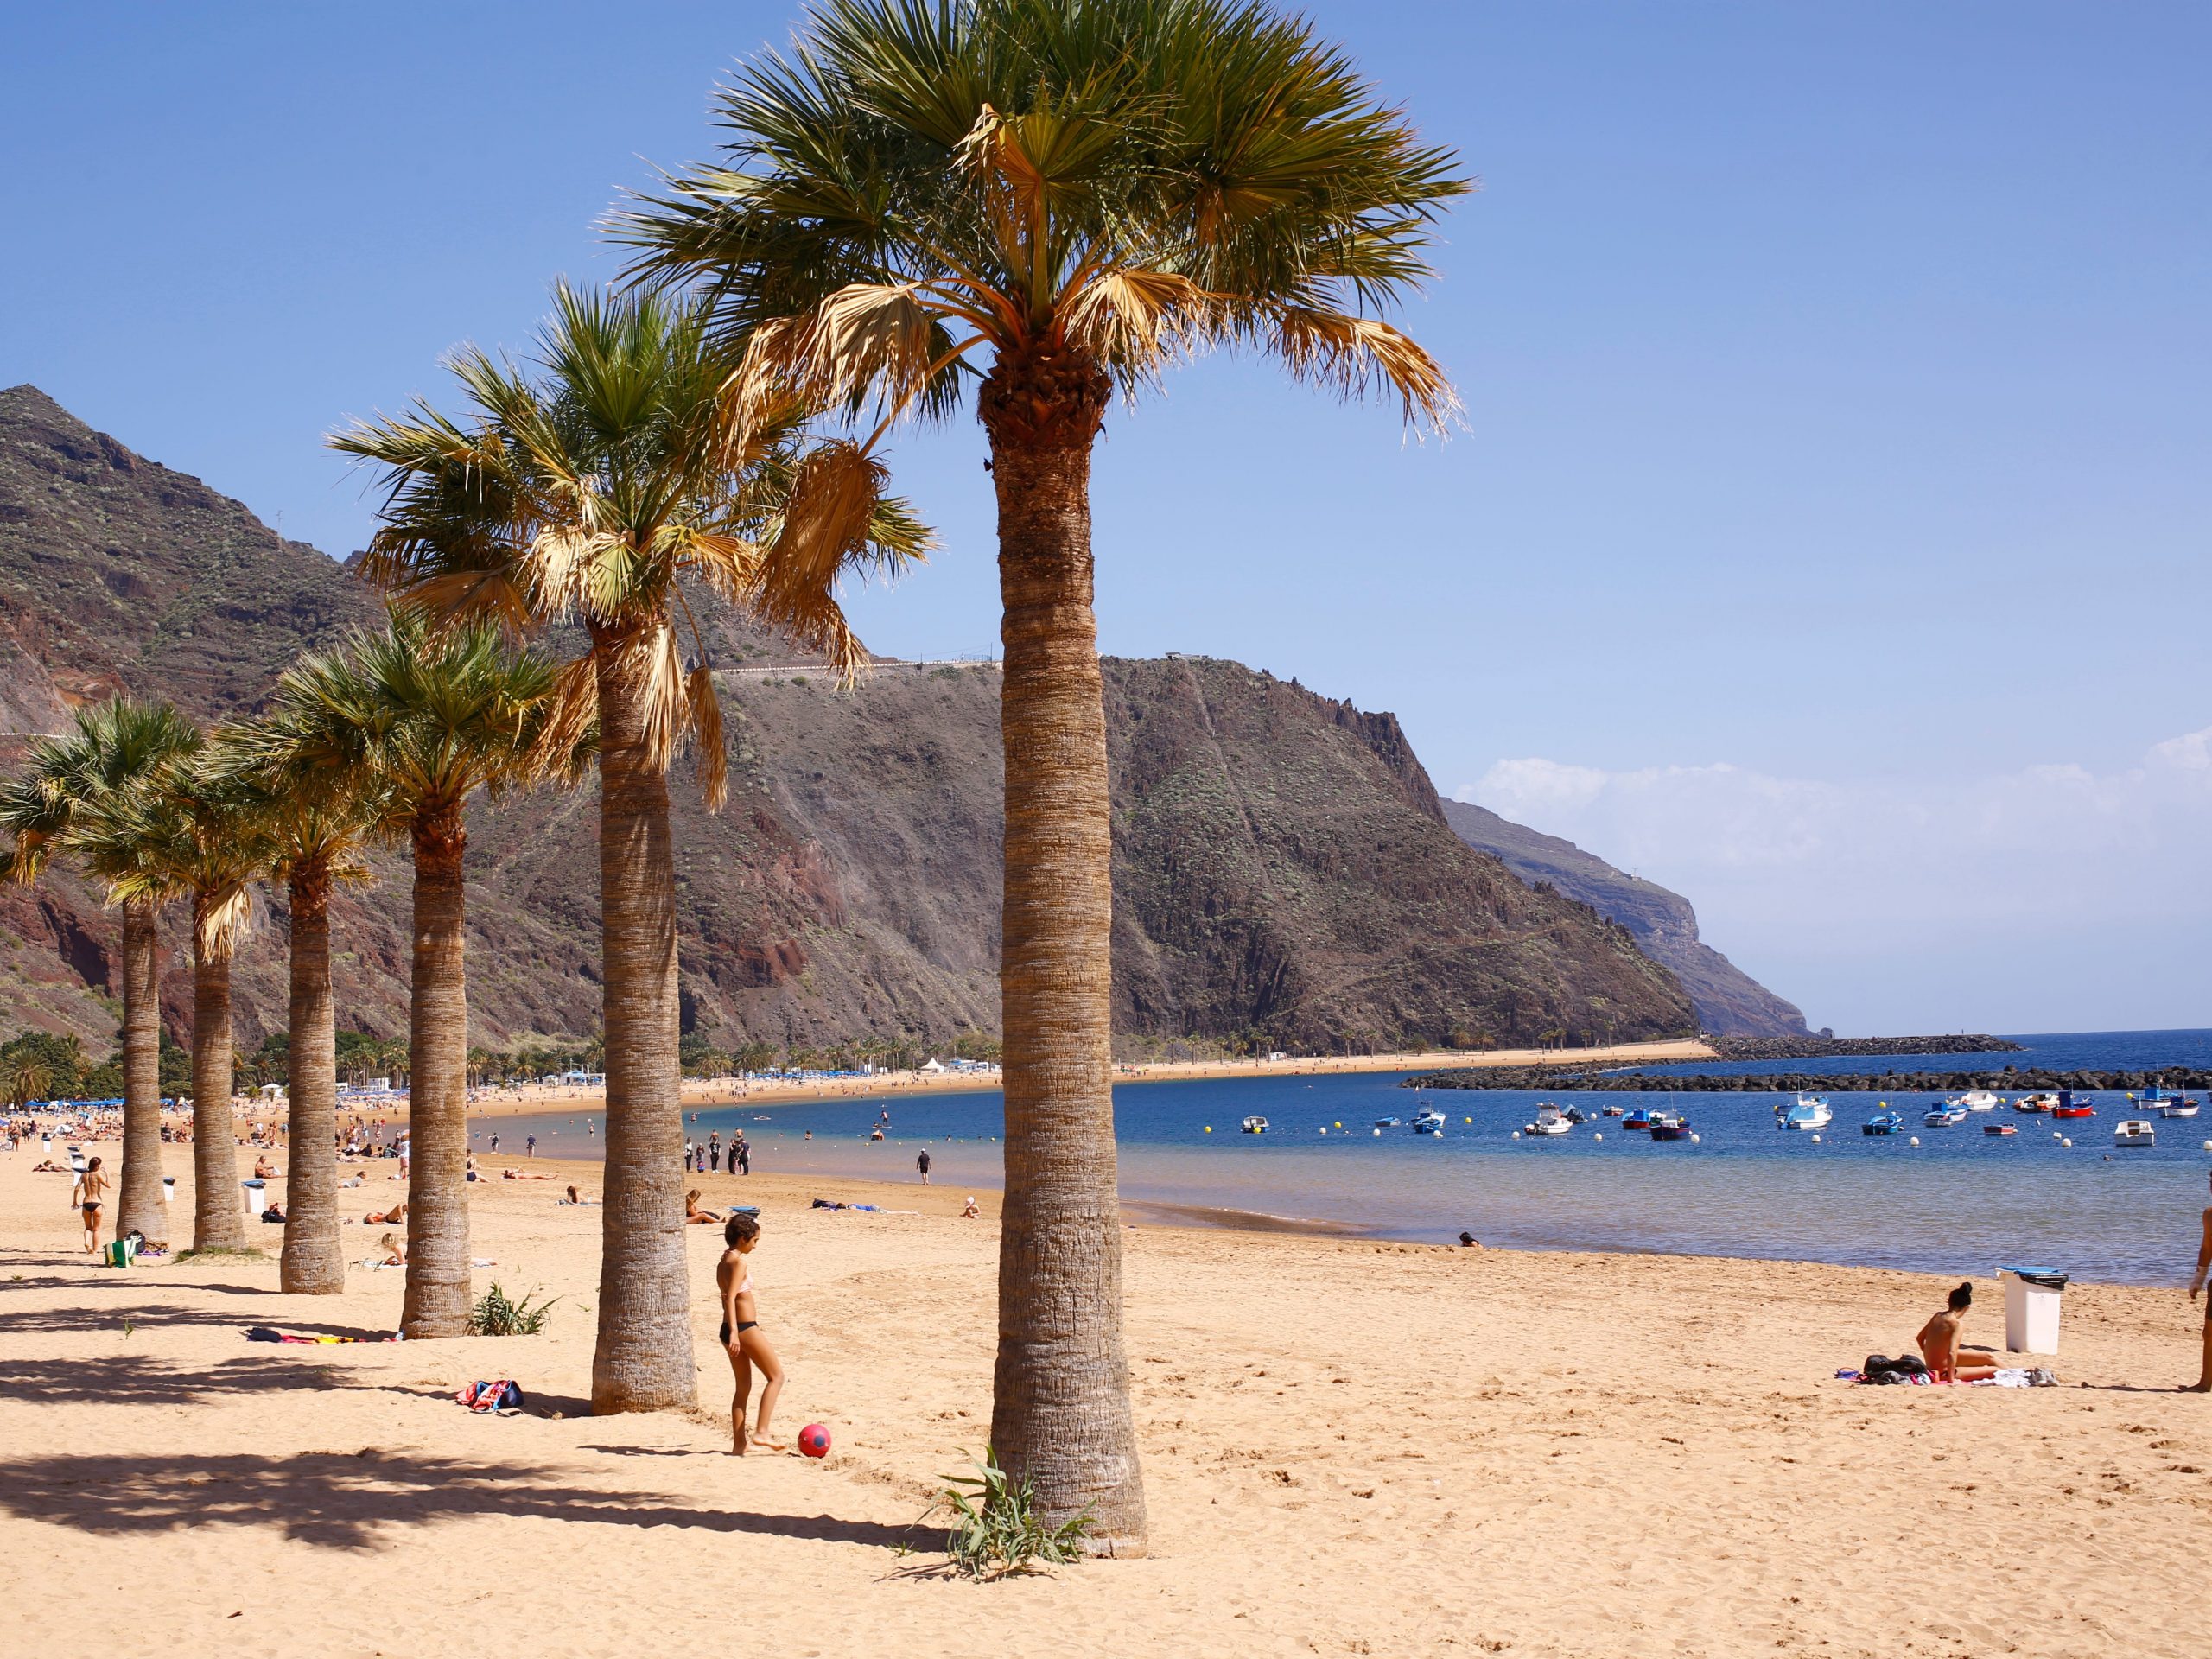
(24,1078)
(430,717)
(315,812)
(592,493)
(117,746)
(190,832)
(1085,192)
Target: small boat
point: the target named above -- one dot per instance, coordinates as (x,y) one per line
(2035,1102)
(2134,1132)
(1638,1119)
(1976,1100)
(1549,1121)
(1256,1125)
(1811,1112)
(2073,1105)
(1944,1118)
(1388,1123)
(1616,1111)
(1574,1114)
(1884,1124)
(1428,1121)
(1669,1126)
(2001,1128)
(2155,1098)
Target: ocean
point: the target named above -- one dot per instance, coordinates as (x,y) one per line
(1959,1202)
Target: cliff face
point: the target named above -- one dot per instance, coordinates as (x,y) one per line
(1730,1002)
(1283,869)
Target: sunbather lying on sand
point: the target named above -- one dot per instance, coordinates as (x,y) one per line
(694,1216)
(517,1175)
(390,1217)
(1939,1344)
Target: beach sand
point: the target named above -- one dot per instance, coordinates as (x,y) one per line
(1348,1448)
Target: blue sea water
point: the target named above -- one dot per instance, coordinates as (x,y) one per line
(1959,1202)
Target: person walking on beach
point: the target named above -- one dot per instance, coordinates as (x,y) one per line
(530,1145)
(2203,1383)
(742,1341)
(922,1164)
(87,1195)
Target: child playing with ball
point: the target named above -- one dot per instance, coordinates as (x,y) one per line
(741,1337)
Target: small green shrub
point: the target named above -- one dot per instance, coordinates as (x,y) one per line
(496,1316)
(995,1528)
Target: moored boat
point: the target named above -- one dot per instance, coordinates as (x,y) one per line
(1669,1126)
(2073,1105)
(1428,1121)
(2134,1132)
(1810,1112)
(1638,1119)
(1256,1125)
(1884,1124)
(2001,1128)
(1942,1117)
(1549,1121)
(2037,1102)
(1977,1100)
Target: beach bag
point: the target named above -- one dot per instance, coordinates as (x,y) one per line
(502,1395)
(122,1252)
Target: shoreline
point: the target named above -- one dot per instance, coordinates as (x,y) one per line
(533,1099)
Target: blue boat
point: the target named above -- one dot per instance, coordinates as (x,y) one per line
(1883,1123)
(1638,1119)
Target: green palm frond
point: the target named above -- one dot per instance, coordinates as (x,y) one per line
(116,748)
(1140,179)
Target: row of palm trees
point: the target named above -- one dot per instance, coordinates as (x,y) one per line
(1051,199)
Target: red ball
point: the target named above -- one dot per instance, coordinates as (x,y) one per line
(814,1440)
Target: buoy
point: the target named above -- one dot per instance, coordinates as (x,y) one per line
(1208,1128)
(1466,1120)
(2065,1141)
(1378,1132)
(1325,1128)
(814,1440)
(2058,1135)
(1339,1123)
(1599,1136)
(1695,1141)
(1914,1141)
(1816,1139)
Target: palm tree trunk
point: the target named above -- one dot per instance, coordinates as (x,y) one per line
(643,1361)
(1060,1402)
(218,1208)
(315,1261)
(140,1206)
(437,1301)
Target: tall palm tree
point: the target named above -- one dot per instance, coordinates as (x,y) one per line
(115,748)
(428,718)
(1080,193)
(591,492)
(315,811)
(190,832)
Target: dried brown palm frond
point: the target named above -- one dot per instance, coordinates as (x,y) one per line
(704,711)
(864,340)
(1140,321)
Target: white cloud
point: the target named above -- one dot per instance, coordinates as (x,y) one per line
(2053,897)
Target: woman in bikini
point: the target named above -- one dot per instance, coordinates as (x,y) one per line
(91,1192)
(694,1216)
(741,1337)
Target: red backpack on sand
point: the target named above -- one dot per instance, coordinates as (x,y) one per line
(502,1395)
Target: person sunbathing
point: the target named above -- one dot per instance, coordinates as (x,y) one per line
(967,1210)
(1948,1362)
(517,1175)
(390,1217)
(576,1197)
(694,1216)
(262,1169)
(395,1254)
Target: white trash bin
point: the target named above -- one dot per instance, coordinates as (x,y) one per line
(2031,1296)
(254,1191)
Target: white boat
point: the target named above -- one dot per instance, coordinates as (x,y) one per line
(1428,1121)
(1255,1125)
(1549,1121)
(2042,1101)
(1811,1112)
(2134,1132)
(2178,1108)
(1976,1100)
(1944,1118)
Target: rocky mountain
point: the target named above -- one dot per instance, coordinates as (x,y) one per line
(1729,1002)
(1284,872)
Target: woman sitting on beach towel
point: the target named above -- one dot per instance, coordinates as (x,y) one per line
(1939,1344)
(395,1254)
(576,1197)
(694,1216)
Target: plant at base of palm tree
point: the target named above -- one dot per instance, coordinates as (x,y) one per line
(591,492)
(1088,191)
(315,812)
(425,718)
(116,748)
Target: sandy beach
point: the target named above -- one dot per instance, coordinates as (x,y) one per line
(527,1098)
(1351,1448)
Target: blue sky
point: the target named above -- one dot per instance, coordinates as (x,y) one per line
(1829,537)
